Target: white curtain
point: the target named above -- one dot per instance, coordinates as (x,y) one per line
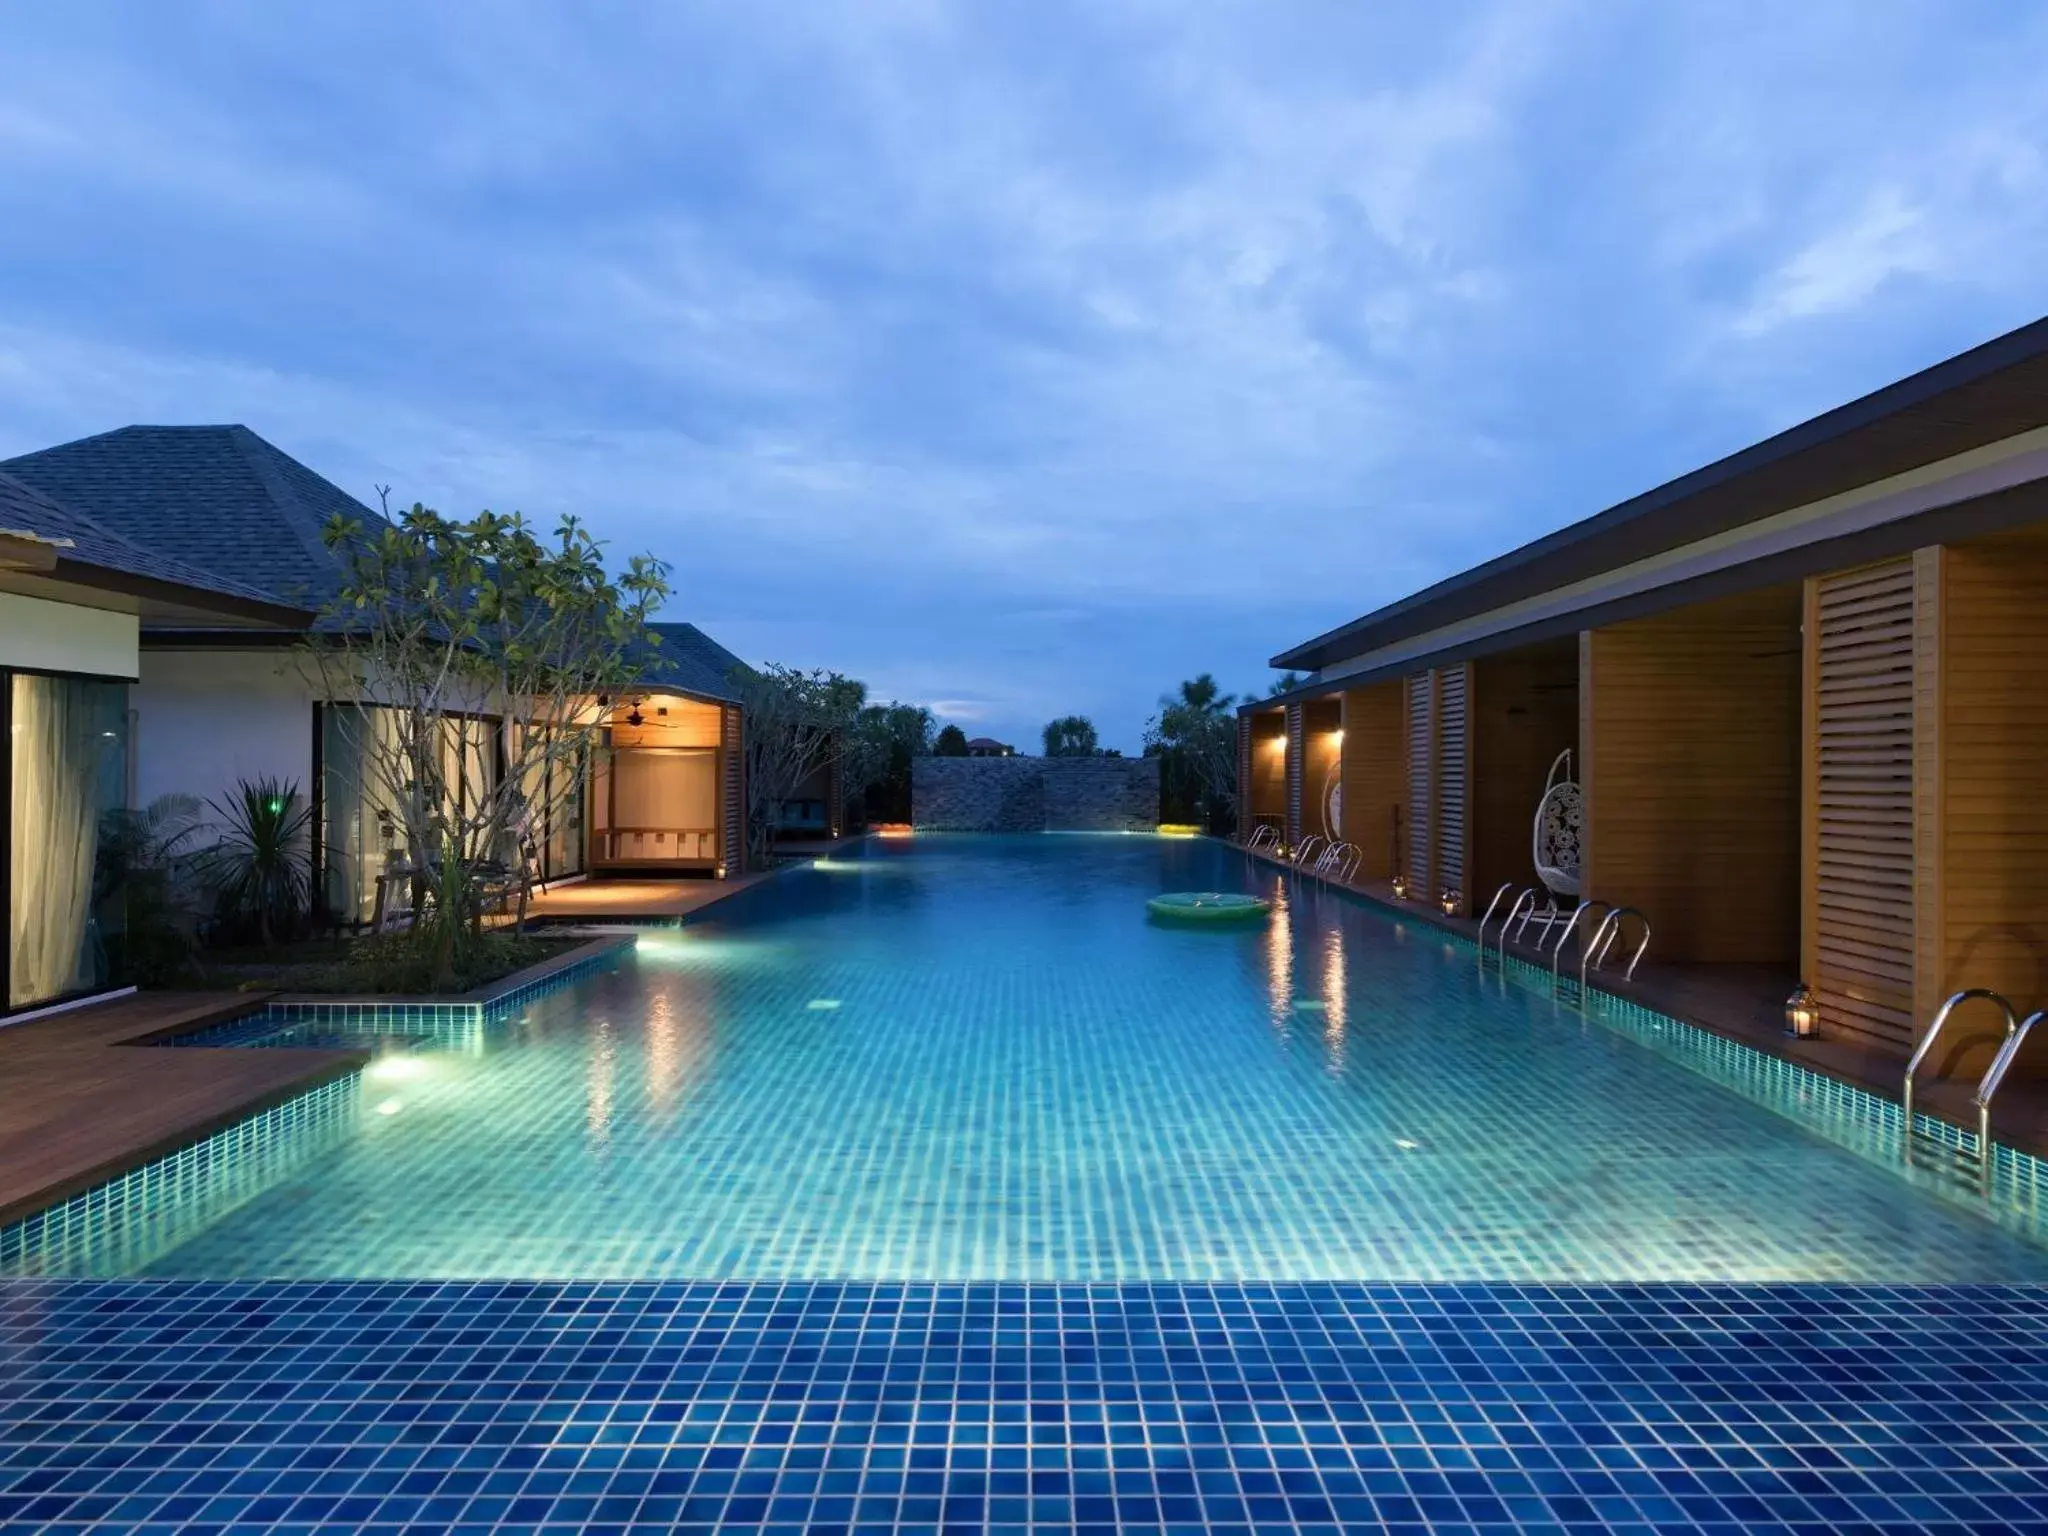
(55,829)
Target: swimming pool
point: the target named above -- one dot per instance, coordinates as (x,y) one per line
(974,1058)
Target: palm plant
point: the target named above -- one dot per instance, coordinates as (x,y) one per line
(261,870)
(145,888)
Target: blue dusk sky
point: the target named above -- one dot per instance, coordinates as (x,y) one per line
(1017,358)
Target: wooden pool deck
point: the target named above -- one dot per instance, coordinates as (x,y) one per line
(634,901)
(83,1096)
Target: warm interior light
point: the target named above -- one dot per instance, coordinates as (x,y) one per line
(893,829)
(1338,735)
(1178,829)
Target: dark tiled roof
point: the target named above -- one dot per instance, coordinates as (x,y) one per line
(218,498)
(690,660)
(24,509)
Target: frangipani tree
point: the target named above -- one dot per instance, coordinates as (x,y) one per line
(452,628)
(797,723)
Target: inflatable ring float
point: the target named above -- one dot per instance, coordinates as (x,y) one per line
(1207,907)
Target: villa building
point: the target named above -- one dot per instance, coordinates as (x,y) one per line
(75,601)
(1804,691)
(217,700)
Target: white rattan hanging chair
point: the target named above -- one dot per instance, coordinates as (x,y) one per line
(1560,822)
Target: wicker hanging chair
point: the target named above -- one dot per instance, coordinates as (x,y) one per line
(1560,823)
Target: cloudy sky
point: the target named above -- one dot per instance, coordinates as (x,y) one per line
(1017,358)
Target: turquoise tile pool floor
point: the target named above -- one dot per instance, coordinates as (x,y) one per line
(977,1059)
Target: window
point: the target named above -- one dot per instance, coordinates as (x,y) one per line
(67,767)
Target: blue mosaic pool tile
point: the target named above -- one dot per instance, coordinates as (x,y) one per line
(122,1225)
(1512,1410)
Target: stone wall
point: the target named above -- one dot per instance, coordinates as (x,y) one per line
(1035,794)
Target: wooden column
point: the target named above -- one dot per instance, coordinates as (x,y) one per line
(1374,775)
(1866,705)
(732,801)
(1453,818)
(1420,854)
(1295,769)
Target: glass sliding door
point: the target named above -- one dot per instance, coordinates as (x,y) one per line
(67,767)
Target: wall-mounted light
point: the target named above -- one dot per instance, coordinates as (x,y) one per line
(1802,1012)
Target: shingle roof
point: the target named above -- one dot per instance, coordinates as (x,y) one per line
(25,509)
(690,660)
(221,498)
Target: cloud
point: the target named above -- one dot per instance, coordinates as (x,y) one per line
(1027,359)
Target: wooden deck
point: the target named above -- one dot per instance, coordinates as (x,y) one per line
(83,1097)
(634,901)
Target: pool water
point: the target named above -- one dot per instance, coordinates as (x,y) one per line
(978,1058)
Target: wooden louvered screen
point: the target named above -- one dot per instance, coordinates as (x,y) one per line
(1452,778)
(1297,770)
(1860,785)
(733,820)
(1421,781)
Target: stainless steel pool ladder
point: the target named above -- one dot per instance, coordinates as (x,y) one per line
(1912,1139)
(1305,847)
(1264,835)
(1338,861)
(1564,937)
(1603,940)
(1487,917)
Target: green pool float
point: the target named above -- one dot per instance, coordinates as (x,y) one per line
(1207,907)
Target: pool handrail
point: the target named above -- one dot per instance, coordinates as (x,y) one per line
(1993,1075)
(1301,849)
(1603,940)
(1557,949)
(1487,917)
(1524,903)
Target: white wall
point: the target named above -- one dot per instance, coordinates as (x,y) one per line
(207,718)
(62,637)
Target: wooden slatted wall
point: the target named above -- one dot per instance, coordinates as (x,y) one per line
(1375,773)
(733,818)
(1990,928)
(1421,782)
(1453,779)
(1859,928)
(1296,771)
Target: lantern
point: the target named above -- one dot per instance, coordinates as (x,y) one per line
(1802,1012)
(1449,901)
(1400,887)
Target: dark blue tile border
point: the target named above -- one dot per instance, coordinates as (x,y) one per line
(888,1408)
